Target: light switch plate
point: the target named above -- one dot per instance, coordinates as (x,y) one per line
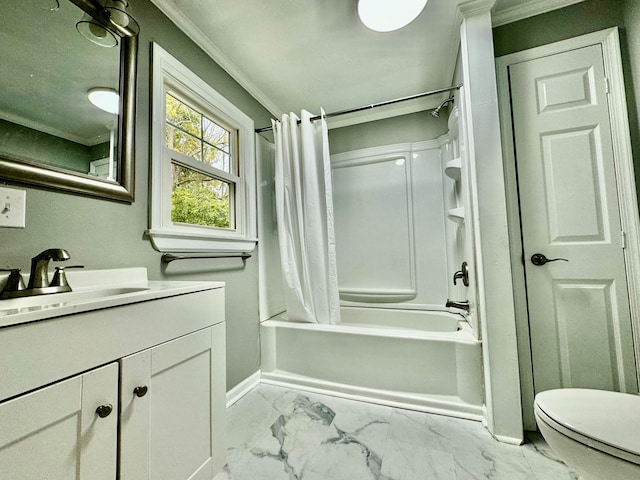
(12,207)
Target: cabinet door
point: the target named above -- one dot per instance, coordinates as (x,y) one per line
(55,433)
(175,431)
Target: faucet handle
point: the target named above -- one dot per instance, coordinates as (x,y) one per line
(60,277)
(462,274)
(14,281)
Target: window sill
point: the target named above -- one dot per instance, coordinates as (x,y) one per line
(172,241)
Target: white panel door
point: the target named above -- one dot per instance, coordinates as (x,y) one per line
(173,431)
(579,314)
(55,433)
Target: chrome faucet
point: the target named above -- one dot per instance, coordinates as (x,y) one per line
(39,276)
(462,305)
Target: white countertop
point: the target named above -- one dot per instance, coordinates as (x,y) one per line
(95,290)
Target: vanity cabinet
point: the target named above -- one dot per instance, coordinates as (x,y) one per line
(134,392)
(168,426)
(54,433)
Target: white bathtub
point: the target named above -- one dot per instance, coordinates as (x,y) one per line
(428,361)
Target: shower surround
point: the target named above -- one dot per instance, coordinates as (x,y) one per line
(396,344)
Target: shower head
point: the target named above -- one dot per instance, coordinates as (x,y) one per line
(436,111)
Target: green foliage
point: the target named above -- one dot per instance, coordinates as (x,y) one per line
(199,200)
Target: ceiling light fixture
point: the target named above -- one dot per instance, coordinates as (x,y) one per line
(387,16)
(50,5)
(106,99)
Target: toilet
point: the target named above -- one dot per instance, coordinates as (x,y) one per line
(595,432)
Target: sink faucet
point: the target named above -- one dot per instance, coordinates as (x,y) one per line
(39,276)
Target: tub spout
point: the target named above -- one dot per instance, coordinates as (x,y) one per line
(462,305)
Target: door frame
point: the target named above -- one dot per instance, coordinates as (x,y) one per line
(625,181)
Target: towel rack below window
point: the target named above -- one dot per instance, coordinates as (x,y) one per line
(169,257)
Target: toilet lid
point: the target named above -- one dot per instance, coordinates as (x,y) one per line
(608,421)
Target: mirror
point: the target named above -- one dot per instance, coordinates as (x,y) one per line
(51,135)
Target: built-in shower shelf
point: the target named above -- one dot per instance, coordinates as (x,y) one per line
(456,214)
(453,168)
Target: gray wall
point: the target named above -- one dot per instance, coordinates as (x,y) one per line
(631,16)
(414,127)
(103,234)
(579,19)
(26,144)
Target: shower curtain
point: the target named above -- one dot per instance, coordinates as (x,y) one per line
(304,211)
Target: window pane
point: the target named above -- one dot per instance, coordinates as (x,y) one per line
(183,117)
(198,199)
(215,134)
(183,142)
(216,158)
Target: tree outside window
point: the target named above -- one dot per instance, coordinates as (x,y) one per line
(201,191)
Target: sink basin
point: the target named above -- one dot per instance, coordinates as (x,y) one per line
(10,305)
(95,290)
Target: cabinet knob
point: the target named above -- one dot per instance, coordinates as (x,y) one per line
(104,410)
(140,391)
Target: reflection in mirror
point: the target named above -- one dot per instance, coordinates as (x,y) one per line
(51,133)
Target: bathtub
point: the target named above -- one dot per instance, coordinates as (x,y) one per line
(421,360)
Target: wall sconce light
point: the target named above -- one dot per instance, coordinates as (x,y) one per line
(96,32)
(106,99)
(387,16)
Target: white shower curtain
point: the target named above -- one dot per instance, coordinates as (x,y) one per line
(304,210)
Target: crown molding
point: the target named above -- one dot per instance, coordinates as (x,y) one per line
(194,33)
(475,7)
(529,9)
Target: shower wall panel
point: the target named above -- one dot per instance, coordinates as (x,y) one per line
(270,274)
(389,222)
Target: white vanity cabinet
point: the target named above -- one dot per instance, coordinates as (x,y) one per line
(169,429)
(54,433)
(59,377)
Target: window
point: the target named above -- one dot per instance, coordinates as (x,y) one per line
(203,185)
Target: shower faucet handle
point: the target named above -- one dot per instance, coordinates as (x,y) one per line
(462,274)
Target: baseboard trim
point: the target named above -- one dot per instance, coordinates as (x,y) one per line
(509,440)
(244,387)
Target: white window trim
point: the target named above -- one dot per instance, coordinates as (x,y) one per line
(165,236)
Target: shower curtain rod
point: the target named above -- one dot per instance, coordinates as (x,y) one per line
(374,105)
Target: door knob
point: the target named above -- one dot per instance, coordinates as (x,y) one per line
(104,410)
(539,259)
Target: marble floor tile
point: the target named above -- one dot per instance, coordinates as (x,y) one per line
(365,423)
(476,453)
(543,461)
(251,415)
(403,461)
(281,434)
